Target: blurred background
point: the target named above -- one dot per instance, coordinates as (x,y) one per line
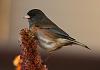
(79,18)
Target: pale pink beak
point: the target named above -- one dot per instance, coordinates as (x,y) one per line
(26,17)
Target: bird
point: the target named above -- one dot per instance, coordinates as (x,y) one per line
(50,36)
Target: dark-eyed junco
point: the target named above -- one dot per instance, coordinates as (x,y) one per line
(49,35)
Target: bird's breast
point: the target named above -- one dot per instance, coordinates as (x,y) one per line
(45,41)
(49,41)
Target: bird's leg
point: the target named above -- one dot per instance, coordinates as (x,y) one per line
(48,56)
(50,53)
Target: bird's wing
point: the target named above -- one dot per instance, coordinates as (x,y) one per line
(61,33)
(52,27)
(58,31)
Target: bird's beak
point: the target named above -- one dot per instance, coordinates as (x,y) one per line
(26,17)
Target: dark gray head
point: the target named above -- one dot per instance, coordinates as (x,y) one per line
(35,16)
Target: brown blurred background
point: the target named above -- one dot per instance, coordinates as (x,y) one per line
(80,18)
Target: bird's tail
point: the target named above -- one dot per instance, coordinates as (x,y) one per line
(83,45)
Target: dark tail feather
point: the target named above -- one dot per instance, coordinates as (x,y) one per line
(78,43)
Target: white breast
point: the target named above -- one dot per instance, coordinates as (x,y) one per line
(50,43)
(45,41)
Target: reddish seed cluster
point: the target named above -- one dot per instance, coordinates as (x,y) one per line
(30,58)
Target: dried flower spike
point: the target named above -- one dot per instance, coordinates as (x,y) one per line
(29,58)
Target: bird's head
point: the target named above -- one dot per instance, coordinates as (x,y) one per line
(34,16)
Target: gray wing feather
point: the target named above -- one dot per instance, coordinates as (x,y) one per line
(55,29)
(61,33)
